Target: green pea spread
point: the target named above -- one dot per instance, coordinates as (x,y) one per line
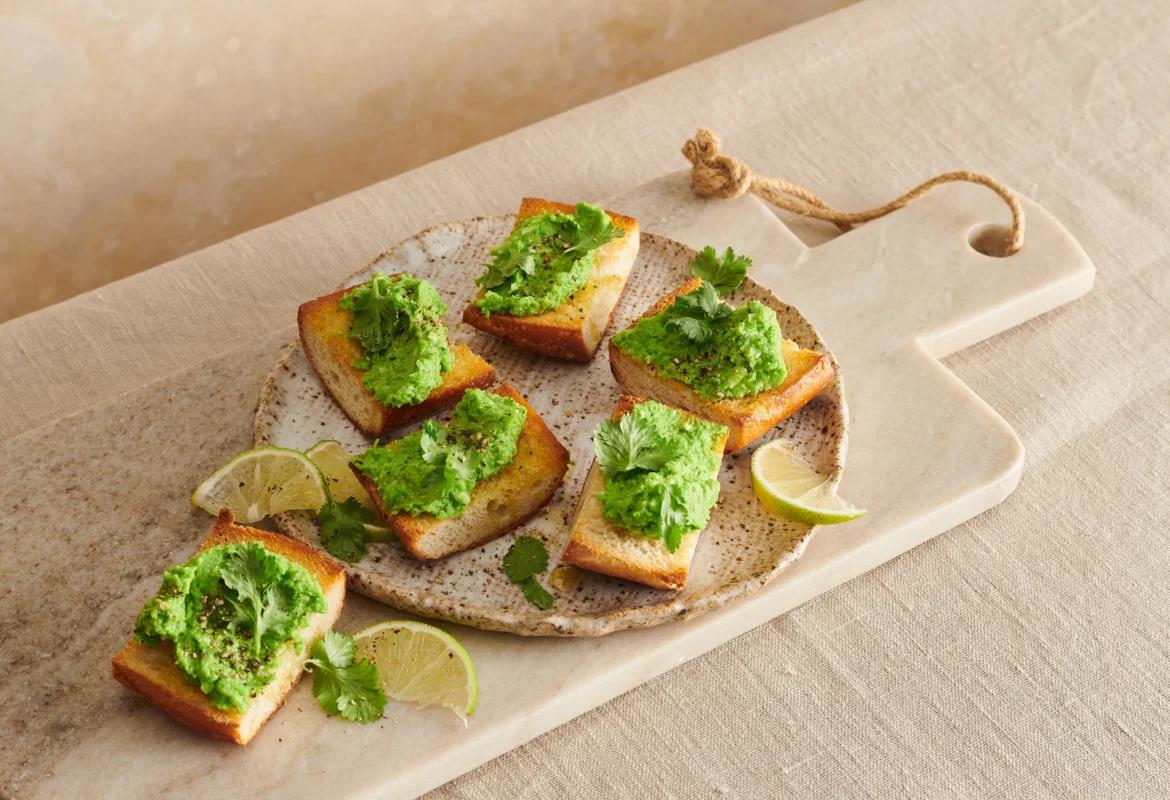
(544,261)
(228,612)
(398,320)
(433,470)
(676,493)
(731,352)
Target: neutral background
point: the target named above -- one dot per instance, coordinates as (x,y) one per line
(134,131)
(1025,654)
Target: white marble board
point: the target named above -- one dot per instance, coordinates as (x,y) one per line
(925,454)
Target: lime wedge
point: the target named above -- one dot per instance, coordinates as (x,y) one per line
(788,485)
(420,664)
(333,461)
(262,482)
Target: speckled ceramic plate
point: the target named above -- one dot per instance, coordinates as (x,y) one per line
(740,551)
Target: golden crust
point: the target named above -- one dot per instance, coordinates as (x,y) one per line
(540,457)
(151,671)
(598,545)
(747,418)
(324,330)
(572,331)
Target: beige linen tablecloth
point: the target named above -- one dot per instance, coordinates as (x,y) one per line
(1024,654)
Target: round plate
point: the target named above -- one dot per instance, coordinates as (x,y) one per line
(741,549)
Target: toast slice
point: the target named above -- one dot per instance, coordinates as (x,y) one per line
(747,418)
(599,545)
(510,497)
(572,331)
(324,330)
(151,670)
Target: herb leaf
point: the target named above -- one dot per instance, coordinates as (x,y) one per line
(624,446)
(343,688)
(536,594)
(696,314)
(376,318)
(724,274)
(526,557)
(556,240)
(259,606)
(673,519)
(595,229)
(343,533)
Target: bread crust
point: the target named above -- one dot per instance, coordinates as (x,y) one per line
(598,545)
(747,418)
(540,464)
(323,326)
(572,331)
(151,671)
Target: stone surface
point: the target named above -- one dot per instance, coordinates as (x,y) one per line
(925,454)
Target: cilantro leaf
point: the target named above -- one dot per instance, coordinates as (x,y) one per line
(433,442)
(673,521)
(536,594)
(376,318)
(697,330)
(724,274)
(343,533)
(595,229)
(696,314)
(554,240)
(525,558)
(244,571)
(624,446)
(350,690)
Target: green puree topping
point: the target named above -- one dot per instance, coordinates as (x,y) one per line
(716,350)
(434,469)
(545,259)
(228,612)
(659,467)
(398,322)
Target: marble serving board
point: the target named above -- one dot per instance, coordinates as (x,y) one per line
(926,454)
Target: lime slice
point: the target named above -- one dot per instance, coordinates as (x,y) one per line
(420,664)
(333,461)
(788,485)
(262,482)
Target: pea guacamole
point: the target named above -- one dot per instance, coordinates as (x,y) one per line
(544,261)
(718,351)
(433,470)
(660,468)
(398,320)
(227,613)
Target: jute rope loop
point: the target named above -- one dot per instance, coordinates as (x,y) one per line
(716,175)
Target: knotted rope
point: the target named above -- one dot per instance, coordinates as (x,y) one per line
(716,175)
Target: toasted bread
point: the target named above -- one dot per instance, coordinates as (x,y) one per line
(151,670)
(498,504)
(747,418)
(324,329)
(599,545)
(572,331)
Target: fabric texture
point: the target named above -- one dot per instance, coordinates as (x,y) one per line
(1024,654)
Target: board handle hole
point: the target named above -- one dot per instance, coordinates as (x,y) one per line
(991,240)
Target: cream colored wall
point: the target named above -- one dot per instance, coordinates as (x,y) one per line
(133,132)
